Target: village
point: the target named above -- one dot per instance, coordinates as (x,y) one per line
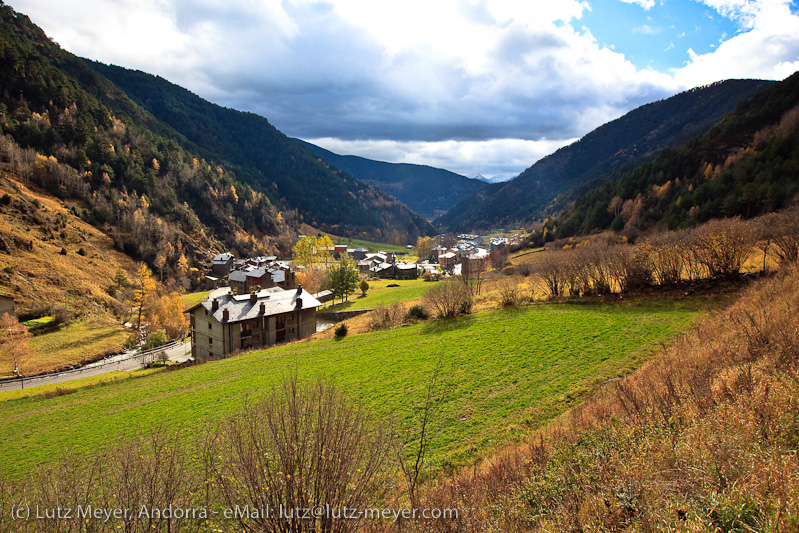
(261,301)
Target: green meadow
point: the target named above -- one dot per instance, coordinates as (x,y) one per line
(504,373)
(380,294)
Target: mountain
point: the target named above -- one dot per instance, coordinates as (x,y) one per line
(290,174)
(746,165)
(495,179)
(427,190)
(601,155)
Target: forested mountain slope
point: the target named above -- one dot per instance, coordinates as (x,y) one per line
(283,168)
(746,165)
(602,155)
(427,190)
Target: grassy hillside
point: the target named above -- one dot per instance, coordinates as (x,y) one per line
(380,294)
(506,372)
(601,155)
(702,438)
(34,229)
(428,191)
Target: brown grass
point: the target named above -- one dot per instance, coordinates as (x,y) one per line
(40,276)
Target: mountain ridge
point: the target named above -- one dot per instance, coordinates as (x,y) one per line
(428,190)
(601,155)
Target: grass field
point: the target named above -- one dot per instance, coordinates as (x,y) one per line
(505,372)
(84,340)
(379,294)
(194,298)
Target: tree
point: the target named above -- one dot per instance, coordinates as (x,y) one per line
(323,246)
(343,279)
(424,247)
(303,446)
(167,314)
(364,286)
(305,251)
(14,340)
(144,290)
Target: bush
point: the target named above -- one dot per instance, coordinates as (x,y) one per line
(341,331)
(386,317)
(417,312)
(364,286)
(508,291)
(304,445)
(81,251)
(449,299)
(509,270)
(155,339)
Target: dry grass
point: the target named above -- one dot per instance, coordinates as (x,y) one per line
(703,438)
(35,273)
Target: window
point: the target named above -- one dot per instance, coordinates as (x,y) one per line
(209,324)
(246,329)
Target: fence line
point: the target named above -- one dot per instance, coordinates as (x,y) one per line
(91,366)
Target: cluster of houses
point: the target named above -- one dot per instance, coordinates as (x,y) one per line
(245,274)
(264,305)
(384,265)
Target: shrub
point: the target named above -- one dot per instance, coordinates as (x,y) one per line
(81,251)
(509,270)
(417,312)
(341,331)
(449,299)
(155,339)
(302,446)
(508,291)
(63,251)
(364,286)
(386,317)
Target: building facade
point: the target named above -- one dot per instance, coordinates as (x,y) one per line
(231,323)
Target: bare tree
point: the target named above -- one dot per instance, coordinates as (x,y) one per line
(304,446)
(412,464)
(552,272)
(723,245)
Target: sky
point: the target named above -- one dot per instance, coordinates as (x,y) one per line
(474,86)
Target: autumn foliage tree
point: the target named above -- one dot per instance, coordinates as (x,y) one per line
(13,340)
(144,287)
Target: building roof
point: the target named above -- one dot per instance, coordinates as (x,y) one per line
(266,302)
(406,266)
(238,276)
(222,258)
(446,256)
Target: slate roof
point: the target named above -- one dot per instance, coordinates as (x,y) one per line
(222,258)
(275,300)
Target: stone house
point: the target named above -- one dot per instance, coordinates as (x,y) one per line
(231,323)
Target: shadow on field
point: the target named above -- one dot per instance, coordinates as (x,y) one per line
(448,324)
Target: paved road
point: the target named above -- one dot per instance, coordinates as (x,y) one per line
(178,353)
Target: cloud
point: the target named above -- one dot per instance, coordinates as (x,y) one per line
(646,4)
(646,29)
(491,158)
(448,82)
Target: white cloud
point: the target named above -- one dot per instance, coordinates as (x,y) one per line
(768,47)
(491,158)
(646,4)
